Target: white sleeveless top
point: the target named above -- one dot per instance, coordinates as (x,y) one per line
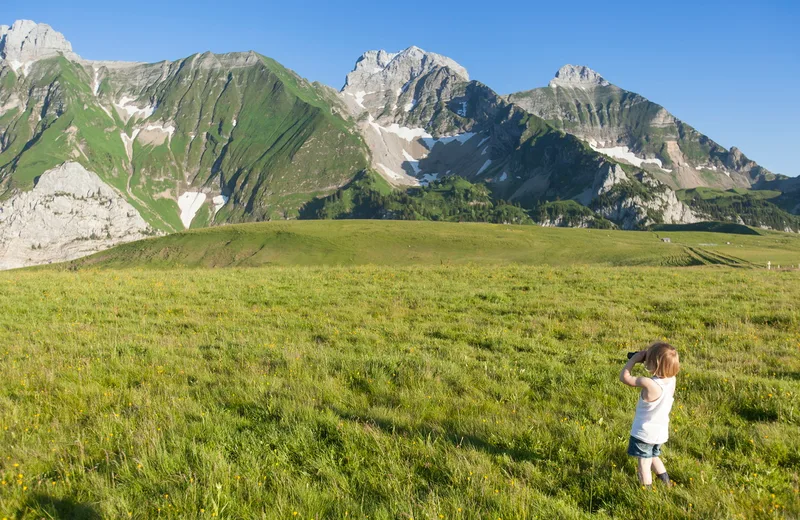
(651,423)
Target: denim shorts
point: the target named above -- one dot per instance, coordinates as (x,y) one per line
(643,450)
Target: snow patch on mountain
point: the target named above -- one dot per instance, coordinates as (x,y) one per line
(391,173)
(190,203)
(409,134)
(15,65)
(219,201)
(131,110)
(412,134)
(412,162)
(430,141)
(428,178)
(96,82)
(127,141)
(624,154)
(168,129)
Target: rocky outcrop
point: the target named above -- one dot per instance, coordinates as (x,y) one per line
(27,41)
(578,76)
(381,78)
(607,178)
(397,98)
(70,213)
(639,201)
(562,221)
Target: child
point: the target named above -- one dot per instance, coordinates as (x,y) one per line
(650,427)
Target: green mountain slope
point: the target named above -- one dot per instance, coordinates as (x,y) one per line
(531,161)
(237,125)
(755,208)
(622,123)
(451,199)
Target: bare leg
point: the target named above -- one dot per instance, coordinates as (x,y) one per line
(661,472)
(645,477)
(658,466)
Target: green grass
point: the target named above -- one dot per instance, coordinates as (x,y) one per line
(444,391)
(352,242)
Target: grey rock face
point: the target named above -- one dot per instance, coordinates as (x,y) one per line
(383,80)
(638,211)
(27,41)
(394,96)
(70,213)
(561,222)
(380,70)
(423,119)
(607,179)
(578,76)
(737,161)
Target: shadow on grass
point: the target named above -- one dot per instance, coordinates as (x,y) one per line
(708,227)
(574,479)
(458,439)
(794,376)
(757,414)
(60,508)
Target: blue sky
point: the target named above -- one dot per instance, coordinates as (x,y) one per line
(729,68)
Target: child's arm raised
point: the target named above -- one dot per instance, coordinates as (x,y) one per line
(650,390)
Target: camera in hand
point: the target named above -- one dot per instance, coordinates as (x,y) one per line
(631,354)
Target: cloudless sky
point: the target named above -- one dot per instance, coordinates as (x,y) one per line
(729,68)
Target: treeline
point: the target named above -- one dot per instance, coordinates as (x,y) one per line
(752,210)
(455,199)
(452,199)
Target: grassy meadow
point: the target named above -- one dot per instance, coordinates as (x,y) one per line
(391,391)
(400,243)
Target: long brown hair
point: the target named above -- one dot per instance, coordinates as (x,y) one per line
(662,359)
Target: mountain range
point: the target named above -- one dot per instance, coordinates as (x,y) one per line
(94,153)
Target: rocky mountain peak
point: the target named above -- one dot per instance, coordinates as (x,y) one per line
(378,71)
(28,41)
(578,76)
